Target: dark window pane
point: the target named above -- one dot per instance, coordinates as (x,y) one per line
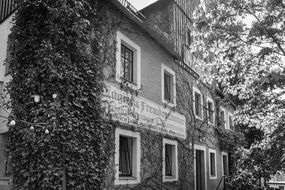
(125,157)
(231,122)
(212,162)
(167,87)
(222,118)
(189,38)
(210,112)
(225,165)
(198,104)
(168,160)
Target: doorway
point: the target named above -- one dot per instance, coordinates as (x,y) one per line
(200,180)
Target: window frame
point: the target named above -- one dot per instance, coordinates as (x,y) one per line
(225,154)
(136,50)
(212,151)
(208,99)
(165,69)
(189,37)
(196,90)
(175,168)
(136,156)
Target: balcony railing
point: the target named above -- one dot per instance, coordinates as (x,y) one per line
(132,9)
(7,7)
(189,61)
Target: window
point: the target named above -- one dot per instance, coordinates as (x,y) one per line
(168,86)
(222,117)
(198,103)
(225,170)
(212,164)
(127,157)
(231,125)
(210,110)
(170,160)
(128,65)
(189,39)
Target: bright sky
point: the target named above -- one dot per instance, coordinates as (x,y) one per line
(139,4)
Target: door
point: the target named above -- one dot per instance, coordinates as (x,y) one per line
(200,170)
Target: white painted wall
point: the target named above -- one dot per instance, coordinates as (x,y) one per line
(5,30)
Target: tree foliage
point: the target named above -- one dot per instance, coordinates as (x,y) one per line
(57,52)
(244,41)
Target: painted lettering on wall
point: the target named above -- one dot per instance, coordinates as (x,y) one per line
(138,111)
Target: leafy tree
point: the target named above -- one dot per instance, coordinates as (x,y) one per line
(243,45)
(64,136)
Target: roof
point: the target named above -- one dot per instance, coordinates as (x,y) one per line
(158,5)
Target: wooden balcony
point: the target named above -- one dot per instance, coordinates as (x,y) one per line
(7,7)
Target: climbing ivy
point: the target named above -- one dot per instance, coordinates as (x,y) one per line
(57,57)
(229,140)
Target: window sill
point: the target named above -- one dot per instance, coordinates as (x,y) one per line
(170,178)
(127,180)
(213,177)
(128,84)
(168,103)
(210,123)
(198,117)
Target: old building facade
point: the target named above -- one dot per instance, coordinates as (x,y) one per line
(156,91)
(163,115)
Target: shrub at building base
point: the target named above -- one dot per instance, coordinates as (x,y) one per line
(63,137)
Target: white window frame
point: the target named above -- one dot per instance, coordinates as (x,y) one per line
(122,39)
(202,148)
(136,151)
(208,99)
(225,117)
(229,115)
(174,160)
(164,69)
(196,90)
(225,154)
(215,153)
